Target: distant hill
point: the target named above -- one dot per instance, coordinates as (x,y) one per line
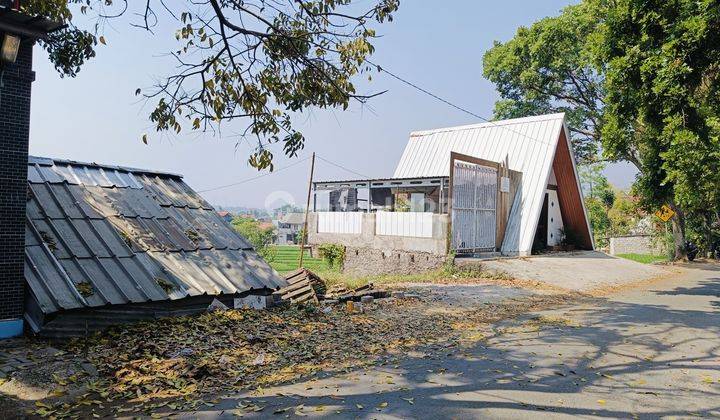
(259,213)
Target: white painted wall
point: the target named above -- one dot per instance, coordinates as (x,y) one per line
(411,224)
(339,222)
(555,223)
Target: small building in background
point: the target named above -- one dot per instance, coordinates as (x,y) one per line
(225,215)
(288,226)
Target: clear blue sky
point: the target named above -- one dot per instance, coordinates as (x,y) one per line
(96,116)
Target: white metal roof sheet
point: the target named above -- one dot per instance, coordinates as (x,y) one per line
(527,143)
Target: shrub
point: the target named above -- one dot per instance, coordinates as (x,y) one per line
(664,242)
(260,237)
(332,253)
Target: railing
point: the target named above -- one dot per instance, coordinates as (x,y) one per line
(340,222)
(412,224)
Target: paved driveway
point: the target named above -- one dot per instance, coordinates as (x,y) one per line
(648,353)
(582,271)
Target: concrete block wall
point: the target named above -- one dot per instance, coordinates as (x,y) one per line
(15,85)
(635,244)
(367,253)
(369,261)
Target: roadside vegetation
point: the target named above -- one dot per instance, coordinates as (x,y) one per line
(644,258)
(638,83)
(447,274)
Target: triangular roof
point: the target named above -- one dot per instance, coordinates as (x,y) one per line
(101,235)
(529,144)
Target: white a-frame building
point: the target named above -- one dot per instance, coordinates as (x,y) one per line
(508,187)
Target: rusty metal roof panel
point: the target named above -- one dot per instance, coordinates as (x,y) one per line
(209,226)
(48,281)
(103,235)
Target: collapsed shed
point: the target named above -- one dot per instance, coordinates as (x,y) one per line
(107,244)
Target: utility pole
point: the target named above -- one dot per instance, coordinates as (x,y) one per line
(307,208)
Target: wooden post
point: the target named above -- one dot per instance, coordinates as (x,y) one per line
(369,202)
(307,208)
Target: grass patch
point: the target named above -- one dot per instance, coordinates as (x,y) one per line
(287,258)
(644,258)
(446,274)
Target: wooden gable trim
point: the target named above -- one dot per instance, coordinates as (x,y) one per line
(570,197)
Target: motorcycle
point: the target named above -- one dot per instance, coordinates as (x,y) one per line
(691,250)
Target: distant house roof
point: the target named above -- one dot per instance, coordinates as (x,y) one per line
(265,225)
(292,218)
(101,235)
(223,213)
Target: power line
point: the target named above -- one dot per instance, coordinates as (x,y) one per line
(255,177)
(337,165)
(445,101)
(244,181)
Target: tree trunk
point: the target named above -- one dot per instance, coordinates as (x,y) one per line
(678,228)
(708,234)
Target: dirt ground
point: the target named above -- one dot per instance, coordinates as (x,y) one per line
(644,352)
(197,364)
(180,364)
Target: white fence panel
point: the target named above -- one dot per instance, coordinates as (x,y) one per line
(339,222)
(414,224)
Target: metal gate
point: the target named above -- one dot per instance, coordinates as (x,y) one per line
(474,195)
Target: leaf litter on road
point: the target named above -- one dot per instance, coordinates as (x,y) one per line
(170,363)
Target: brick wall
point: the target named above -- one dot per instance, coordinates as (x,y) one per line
(14,136)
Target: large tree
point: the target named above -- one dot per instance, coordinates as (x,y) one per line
(548,68)
(257,61)
(649,91)
(662,66)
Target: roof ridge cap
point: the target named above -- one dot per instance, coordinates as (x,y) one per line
(46,161)
(488,124)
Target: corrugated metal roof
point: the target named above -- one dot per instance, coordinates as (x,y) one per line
(529,145)
(99,235)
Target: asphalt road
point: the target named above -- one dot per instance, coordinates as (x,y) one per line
(649,352)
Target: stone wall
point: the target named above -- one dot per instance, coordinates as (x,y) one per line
(635,244)
(370,261)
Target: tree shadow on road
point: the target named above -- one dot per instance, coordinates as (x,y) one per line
(601,357)
(623,360)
